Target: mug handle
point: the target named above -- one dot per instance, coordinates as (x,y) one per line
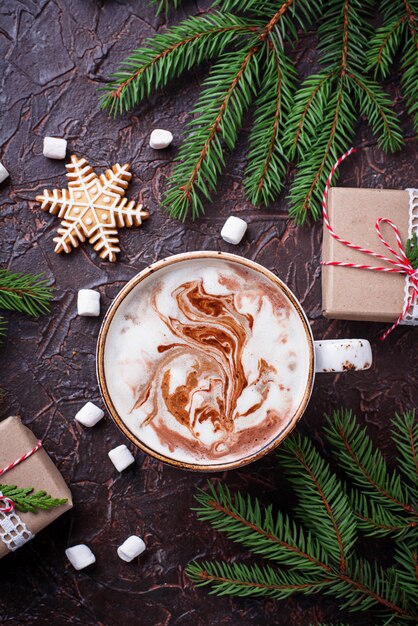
(342,355)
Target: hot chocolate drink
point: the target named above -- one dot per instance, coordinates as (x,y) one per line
(206,361)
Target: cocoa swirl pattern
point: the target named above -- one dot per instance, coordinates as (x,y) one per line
(214,335)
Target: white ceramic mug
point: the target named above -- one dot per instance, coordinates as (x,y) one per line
(337,355)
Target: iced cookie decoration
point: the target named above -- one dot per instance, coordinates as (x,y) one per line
(93,207)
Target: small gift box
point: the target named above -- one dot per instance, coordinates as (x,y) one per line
(356,293)
(24,463)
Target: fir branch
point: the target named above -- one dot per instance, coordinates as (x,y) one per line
(227,93)
(275,538)
(376,520)
(366,466)
(330,140)
(280,540)
(266,159)
(385,44)
(322,557)
(399,33)
(26,501)
(169,54)
(405,436)
(376,106)
(308,112)
(407,574)
(242,580)
(367,585)
(324,508)
(410,80)
(325,117)
(24,293)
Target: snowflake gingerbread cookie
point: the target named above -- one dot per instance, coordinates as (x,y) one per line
(93,207)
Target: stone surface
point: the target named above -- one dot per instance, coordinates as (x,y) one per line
(55,56)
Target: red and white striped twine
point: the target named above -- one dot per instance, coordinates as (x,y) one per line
(400,263)
(10,504)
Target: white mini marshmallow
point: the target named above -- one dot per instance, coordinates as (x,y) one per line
(89,415)
(121,457)
(160,139)
(3,173)
(233,230)
(55,147)
(88,303)
(80,556)
(131,548)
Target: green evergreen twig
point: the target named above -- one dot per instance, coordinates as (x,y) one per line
(325,115)
(412,251)
(226,94)
(24,293)
(169,54)
(313,124)
(399,33)
(319,553)
(26,501)
(165,5)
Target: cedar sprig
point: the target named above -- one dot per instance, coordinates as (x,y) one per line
(26,501)
(325,114)
(318,554)
(398,34)
(411,251)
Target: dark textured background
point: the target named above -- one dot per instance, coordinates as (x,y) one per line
(55,55)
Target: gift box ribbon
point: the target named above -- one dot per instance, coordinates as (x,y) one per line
(13,531)
(400,262)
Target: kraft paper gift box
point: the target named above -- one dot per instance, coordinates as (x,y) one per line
(358,294)
(38,471)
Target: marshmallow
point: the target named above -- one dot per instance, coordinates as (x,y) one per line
(131,548)
(88,303)
(3,173)
(80,556)
(89,415)
(233,230)
(55,147)
(121,457)
(160,139)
